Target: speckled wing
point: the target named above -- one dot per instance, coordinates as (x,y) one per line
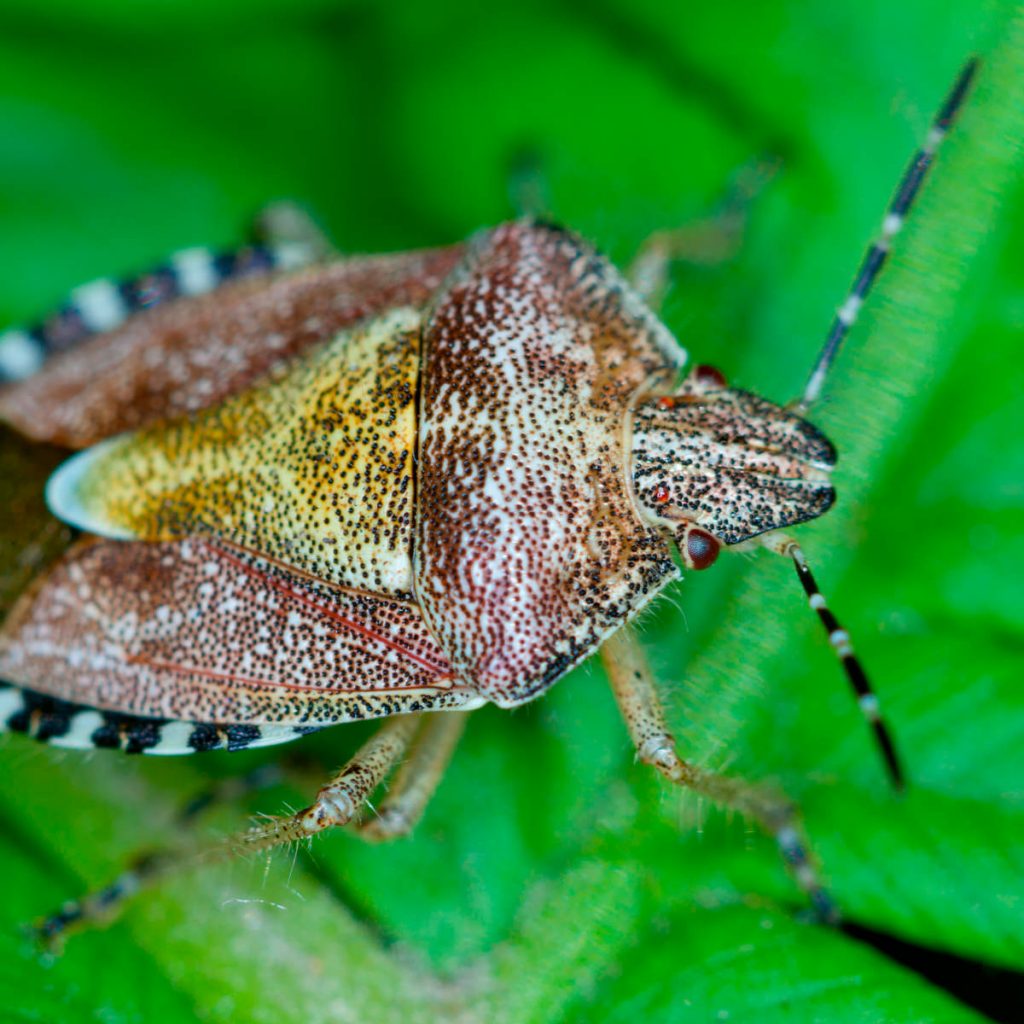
(529,550)
(312,467)
(194,351)
(192,631)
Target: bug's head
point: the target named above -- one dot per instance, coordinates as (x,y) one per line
(716,466)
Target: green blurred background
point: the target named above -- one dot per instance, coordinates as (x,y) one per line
(553,879)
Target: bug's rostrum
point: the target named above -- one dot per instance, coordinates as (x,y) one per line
(727,463)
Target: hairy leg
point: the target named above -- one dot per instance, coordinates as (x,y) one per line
(337,803)
(416,779)
(637,697)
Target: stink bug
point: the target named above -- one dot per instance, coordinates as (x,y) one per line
(317,490)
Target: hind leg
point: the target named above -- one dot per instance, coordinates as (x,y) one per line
(337,803)
(103,903)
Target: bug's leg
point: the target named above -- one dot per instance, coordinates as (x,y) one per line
(710,241)
(102,904)
(637,697)
(341,800)
(337,803)
(874,259)
(839,639)
(286,224)
(416,779)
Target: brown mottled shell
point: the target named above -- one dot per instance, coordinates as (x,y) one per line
(191,353)
(190,630)
(529,550)
(289,571)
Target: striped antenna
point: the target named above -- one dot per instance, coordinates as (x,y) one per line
(867,701)
(876,256)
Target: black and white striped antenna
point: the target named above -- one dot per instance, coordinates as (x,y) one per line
(846,316)
(874,259)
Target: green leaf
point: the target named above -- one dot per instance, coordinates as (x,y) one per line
(789,972)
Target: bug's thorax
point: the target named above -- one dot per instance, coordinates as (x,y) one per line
(715,466)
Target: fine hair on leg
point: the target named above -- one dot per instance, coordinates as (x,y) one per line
(637,697)
(337,803)
(341,800)
(416,779)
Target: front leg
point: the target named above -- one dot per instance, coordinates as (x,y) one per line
(710,241)
(637,697)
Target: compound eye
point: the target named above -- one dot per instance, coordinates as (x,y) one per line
(701,548)
(709,375)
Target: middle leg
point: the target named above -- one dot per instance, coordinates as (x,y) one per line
(341,800)
(416,779)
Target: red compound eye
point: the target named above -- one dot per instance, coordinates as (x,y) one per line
(661,494)
(666,402)
(701,549)
(709,375)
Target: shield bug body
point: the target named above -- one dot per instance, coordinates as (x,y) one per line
(317,490)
